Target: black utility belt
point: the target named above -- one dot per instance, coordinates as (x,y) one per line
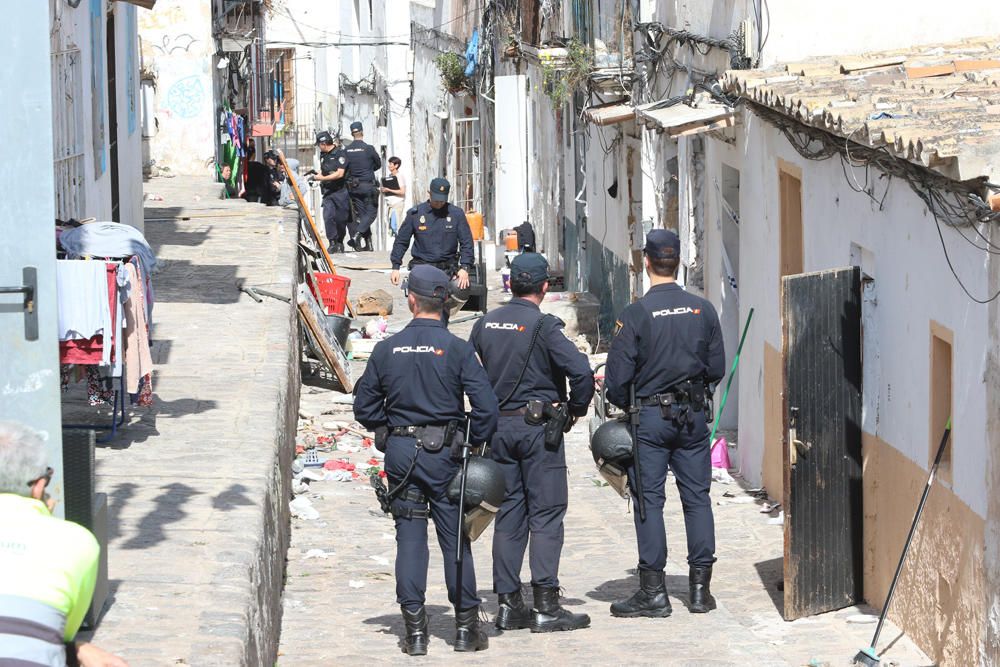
(433,437)
(449,267)
(555,419)
(680,401)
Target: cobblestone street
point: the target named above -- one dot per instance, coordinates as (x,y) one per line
(339,601)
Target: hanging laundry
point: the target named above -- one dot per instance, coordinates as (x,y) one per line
(84,309)
(138,359)
(108,239)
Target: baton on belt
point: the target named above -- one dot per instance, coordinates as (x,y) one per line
(633,422)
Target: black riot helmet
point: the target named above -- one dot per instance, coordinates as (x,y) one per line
(485,490)
(611,446)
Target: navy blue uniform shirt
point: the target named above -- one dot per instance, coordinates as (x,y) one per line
(362,161)
(502,337)
(666,337)
(437,235)
(330,162)
(418,377)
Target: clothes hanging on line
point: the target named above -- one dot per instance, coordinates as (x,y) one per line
(138,358)
(108,239)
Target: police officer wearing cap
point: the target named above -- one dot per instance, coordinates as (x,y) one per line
(669,346)
(413,390)
(362,163)
(529,359)
(441,237)
(274,178)
(333,184)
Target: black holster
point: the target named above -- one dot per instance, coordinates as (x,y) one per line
(554,418)
(381,438)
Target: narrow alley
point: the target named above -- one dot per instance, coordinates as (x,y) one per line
(339,599)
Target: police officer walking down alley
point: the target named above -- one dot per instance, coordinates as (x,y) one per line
(668,349)
(441,237)
(333,184)
(362,163)
(529,360)
(411,395)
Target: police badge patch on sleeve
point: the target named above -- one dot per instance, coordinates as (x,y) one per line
(618,327)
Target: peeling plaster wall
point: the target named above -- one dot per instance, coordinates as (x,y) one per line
(177,42)
(607,253)
(940,601)
(944,606)
(991,647)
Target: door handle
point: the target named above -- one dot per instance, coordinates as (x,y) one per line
(29,289)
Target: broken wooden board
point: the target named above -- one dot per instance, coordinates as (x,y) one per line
(321,339)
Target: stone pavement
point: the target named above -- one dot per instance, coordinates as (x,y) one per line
(339,601)
(197,484)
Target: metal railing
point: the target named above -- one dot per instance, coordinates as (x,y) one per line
(68,135)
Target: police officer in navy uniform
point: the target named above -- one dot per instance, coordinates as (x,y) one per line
(362,163)
(274,178)
(669,346)
(529,359)
(414,386)
(441,237)
(333,184)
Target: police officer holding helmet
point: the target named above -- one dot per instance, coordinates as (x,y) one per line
(668,345)
(362,163)
(441,237)
(411,395)
(333,184)
(529,359)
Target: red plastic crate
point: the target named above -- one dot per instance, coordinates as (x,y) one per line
(332,291)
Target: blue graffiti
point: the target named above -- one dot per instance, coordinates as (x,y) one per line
(186,97)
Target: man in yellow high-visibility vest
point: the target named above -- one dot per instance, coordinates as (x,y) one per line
(48,567)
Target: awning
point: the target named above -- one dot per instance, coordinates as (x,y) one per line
(145,4)
(610,114)
(680,119)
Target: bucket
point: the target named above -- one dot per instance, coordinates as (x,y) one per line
(332,291)
(510,243)
(341,327)
(475,219)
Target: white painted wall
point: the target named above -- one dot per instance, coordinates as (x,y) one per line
(511,150)
(71,29)
(129,114)
(914,286)
(177,41)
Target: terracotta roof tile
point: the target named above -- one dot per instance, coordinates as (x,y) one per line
(937,106)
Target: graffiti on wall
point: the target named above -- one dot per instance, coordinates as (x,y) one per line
(97,83)
(132,67)
(171,44)
(186,97)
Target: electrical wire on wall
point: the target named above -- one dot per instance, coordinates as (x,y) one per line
(958,205)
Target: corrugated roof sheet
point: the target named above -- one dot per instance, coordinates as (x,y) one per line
(937,106)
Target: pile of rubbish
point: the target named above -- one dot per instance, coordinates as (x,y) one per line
(328,450)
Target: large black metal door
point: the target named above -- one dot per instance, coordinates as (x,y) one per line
(822,444)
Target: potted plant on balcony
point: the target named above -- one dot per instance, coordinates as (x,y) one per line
(452,69)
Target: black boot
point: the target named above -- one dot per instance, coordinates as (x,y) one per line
(468,635)
(513,614)
(415,642)
(702,601)
(355,241)
(548,616)
(367,239)
(650,600)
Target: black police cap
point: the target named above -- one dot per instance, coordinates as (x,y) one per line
(530,267)
(662,244)
(429,281)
